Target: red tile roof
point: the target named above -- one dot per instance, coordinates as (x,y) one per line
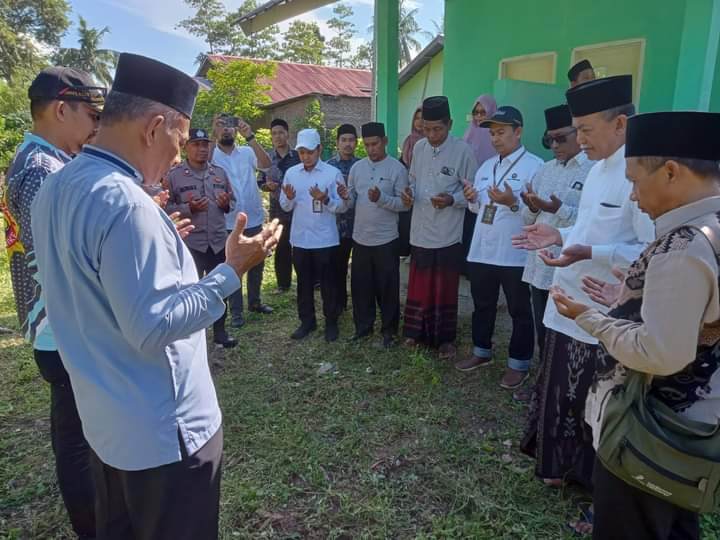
(293,80)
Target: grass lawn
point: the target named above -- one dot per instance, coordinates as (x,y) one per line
(385,445)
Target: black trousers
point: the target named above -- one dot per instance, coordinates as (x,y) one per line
(404,220)
(283,257)
(485,283)
(205,263)
(72,452)
(310,264)
(623,512)
(539,301)
(468,230)
(178,501)
(341,261)
(376,278)
(254,278)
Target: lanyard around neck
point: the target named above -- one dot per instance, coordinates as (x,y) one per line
(496,183)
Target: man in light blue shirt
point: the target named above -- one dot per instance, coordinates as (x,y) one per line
(123,296)
(313,190)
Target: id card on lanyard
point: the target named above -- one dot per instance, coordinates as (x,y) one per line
(490,209)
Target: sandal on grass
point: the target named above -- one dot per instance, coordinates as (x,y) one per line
(584,525)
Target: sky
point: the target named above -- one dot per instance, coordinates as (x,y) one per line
(148,27)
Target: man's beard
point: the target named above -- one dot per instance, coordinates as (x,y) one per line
(227,140)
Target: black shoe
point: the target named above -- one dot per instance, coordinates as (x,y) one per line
(331,332)
(225,341)
(361,335)
(389,342)
(303,331)
(262,308)
(282,290)
(237,322)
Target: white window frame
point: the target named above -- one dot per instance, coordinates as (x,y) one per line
(577,52)
(552,54)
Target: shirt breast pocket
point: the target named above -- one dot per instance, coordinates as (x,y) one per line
(448,183)
(610,222)
(386,185)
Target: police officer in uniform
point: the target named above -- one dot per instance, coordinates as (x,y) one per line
(201,192)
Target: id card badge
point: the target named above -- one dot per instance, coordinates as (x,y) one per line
(317,206)
(488,215)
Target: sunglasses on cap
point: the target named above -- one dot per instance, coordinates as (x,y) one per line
(548,140)
(94,95)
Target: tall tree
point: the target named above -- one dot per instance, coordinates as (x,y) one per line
(26,27)
(210,22)
(262,44)
(408,30)
(89,56)
(364,56)
(304,43)
(339,47)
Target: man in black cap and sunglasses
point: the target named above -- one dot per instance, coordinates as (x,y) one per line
(123,295)
(552,197)
(65,105)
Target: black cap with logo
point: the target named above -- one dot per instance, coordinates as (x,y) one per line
(198,134)
(67,84)
(506,115)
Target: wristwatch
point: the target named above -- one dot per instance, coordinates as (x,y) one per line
(514,207)
(249,138)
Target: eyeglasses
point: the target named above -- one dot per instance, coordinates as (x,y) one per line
(476,112)
(548,140)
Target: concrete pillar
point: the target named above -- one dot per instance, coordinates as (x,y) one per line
(386,69)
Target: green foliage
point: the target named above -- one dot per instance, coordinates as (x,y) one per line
(364,56)
(314,118)
(339,47)
(235,90)
(14,115)
(89,57)
(304,43)
(220,31)
(26,26)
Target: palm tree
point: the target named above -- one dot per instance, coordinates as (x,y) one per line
(408,29)
(89,57)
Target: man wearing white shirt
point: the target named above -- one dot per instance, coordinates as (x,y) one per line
(312,190)
(610,231)
(493,261)
(241,164)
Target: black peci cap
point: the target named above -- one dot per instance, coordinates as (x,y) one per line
(506,115)
(436,108)
(346,129)
(373,129)
(687,134)
(147,78)
(578,68)
(67,84)
(600,95)
(558,117)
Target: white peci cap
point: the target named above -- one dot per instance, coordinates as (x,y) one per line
(308,139)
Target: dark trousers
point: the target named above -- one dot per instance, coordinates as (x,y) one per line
(72,452)
(539,301)
(309,264)
(283,257)
(623,512)
(485,283)
(468,231)
(254,282)
(206,263)
(178,501)
(376,278)
(341,261)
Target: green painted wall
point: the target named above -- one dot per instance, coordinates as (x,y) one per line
(426,82)
(479,33)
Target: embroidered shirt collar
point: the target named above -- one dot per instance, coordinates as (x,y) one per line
(679,216)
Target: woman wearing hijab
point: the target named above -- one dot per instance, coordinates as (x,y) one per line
(416,133)
(479,140)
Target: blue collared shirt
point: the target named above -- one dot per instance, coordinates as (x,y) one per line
(129,313)
(313,227)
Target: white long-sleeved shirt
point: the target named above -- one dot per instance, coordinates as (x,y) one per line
(492,244)
(613,225)
(313,230)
